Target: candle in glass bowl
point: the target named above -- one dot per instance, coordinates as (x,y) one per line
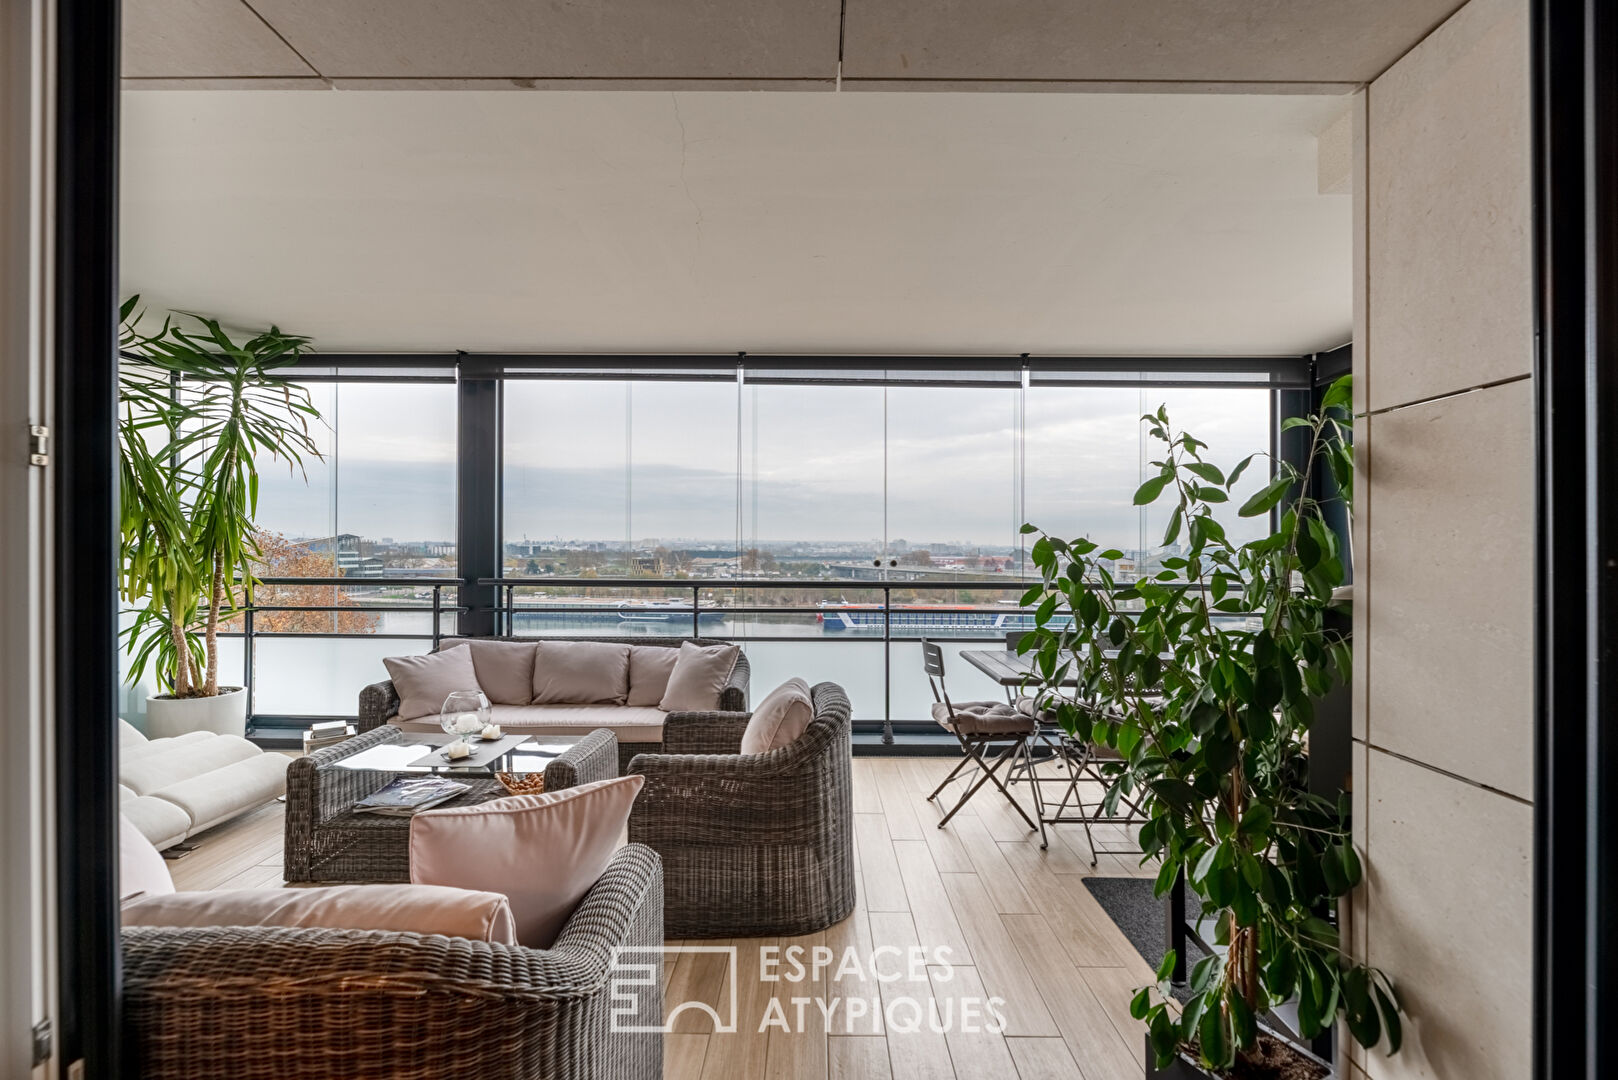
(466,723)
(492,732)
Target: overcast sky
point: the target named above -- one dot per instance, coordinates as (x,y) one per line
(811,462)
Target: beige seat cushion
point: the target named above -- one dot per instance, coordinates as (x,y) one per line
(699,675)
(983,718)
(420,909)
(649,669)
(544,852)
(225,792)
(505,669)
(182,759)
(781,717)
(423,682)
(630,725)
(159,820)
(580,673)
(141,870)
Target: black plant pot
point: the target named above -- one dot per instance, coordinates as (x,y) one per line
(1184,1068)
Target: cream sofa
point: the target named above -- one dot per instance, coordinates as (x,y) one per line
(638,728)
(173,788)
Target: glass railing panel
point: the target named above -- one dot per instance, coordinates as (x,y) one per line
(912,700)
(296,676)
(856,666)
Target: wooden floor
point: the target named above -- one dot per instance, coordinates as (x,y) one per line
(1017,923)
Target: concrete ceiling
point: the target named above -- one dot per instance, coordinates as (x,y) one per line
(1232,45)
(676,222)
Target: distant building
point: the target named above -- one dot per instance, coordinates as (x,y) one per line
(350,553)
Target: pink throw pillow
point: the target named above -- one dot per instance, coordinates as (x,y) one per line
(700,674)
(544,852)
(781,717)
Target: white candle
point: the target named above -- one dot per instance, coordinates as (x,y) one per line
(458,750)
(492,732)
(466,723)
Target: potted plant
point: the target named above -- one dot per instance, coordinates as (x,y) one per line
(197,410)
(1202,676)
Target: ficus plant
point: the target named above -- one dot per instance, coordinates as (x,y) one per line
(197,412)
(1203,677)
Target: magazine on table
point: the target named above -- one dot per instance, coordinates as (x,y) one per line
(408,794)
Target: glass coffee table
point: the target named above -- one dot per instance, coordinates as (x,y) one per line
(413,753)
(328,841)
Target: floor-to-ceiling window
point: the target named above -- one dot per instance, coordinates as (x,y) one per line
(826,517)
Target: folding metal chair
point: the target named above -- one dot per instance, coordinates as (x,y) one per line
(978,725)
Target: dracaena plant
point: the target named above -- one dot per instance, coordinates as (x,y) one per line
(1202,677)
(197,412)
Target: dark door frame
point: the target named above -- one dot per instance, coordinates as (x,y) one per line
(84,473)
(1576,572)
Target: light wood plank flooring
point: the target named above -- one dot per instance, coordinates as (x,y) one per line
(1016,921)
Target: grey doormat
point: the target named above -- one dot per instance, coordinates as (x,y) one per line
(1129,903)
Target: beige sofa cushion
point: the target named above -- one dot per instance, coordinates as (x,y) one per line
(141,870)
(699,675)
(423,682)
(629,724)
(649,669)
(170,761)
(781,717)
(159,820)
(580,673)
(211,797)
(420,909)
(544,852)
(505,669)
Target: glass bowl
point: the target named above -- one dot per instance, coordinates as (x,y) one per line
(465,714)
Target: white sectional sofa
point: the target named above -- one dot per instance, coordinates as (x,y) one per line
(173,788)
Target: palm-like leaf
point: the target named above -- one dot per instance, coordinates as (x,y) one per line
(198,412)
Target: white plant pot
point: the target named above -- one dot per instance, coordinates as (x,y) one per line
(225,714)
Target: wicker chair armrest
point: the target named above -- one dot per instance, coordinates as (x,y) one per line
(317,791)
(704,732)
(379,702)
(432,1005)
(592,758)
(733,697)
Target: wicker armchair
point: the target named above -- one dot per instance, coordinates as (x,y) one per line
(327,841)
(379,702)
(753,845)
(259,1003)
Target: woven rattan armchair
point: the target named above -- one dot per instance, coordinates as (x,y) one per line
(379,702)
(261,1003)
(753,845)
(327,841)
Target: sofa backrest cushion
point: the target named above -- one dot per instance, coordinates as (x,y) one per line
(141,869)
(505,669)
(699,674)
(781,717)
(420,909)
(580,673)
(649,669)
(544,852)
(423,682)
(129,734)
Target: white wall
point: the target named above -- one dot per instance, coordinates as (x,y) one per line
(1444,545)
(27,948)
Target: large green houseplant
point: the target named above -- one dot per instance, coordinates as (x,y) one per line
(197,412)
(1203,678)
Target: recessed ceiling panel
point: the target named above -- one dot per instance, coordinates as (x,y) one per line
(507,39)
(716,222)
(191,39)
(1250,41)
